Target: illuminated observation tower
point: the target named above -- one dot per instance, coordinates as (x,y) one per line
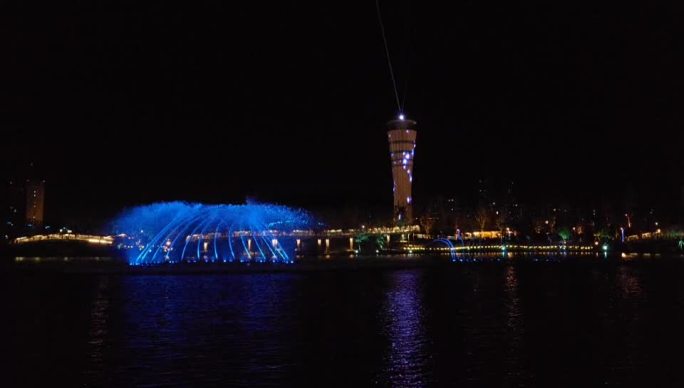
(401,134)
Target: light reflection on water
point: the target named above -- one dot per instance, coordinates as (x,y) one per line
(514,326)
(407,358)
(210,328)
(510,323)
(99,316)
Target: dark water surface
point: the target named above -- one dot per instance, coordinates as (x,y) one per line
(569,323)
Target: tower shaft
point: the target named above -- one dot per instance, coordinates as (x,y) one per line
(401,135)
(35,203)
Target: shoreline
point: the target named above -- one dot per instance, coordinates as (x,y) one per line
(108,265)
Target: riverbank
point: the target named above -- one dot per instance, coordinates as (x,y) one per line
(112,265)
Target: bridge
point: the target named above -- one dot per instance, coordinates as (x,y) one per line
(75,237)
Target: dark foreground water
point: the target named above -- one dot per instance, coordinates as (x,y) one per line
(573,323)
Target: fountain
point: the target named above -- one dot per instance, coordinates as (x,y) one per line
(178,232)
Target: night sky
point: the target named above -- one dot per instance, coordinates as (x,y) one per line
(127,102)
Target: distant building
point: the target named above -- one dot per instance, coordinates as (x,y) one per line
(483,199)
(12,213)
(35,203)
(401,135)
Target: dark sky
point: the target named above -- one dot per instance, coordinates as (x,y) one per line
(128,102)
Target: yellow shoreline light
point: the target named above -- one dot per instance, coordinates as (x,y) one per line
(88,238)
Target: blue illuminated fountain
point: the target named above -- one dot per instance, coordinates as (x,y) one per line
(176,232)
